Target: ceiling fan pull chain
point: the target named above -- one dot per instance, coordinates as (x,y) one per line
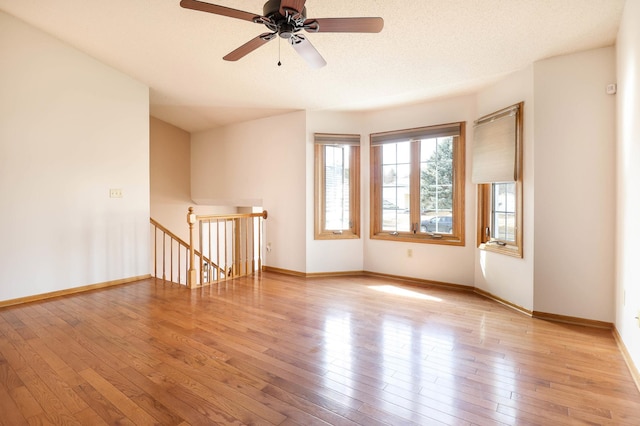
(279,44)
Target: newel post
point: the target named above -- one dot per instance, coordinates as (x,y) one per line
(191,278)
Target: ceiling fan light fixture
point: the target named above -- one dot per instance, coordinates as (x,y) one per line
(287,30)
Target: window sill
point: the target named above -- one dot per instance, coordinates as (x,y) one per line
(443,239)
(508,250)
(344,235)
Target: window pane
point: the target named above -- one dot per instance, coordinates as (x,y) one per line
(396,172)
(337,175)
(427,149)
(396,220)
(390,175)
(436,185)
(404,152)
(442,224)
(389,154)
(395,201)
(503,226)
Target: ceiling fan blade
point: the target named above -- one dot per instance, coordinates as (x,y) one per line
(296,5)
(344,25)
(308,52)
(218,10)
(249,47)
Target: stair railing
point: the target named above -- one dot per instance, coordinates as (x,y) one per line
(230,246)
(171,255)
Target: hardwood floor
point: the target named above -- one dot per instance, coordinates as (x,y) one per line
(289,351)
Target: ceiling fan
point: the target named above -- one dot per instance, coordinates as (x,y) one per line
(286,18)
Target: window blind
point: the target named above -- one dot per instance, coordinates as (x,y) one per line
(494,147)
(335,139)
(416,134)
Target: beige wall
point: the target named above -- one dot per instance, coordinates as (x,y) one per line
(170,176)
(575,185)
(71,128)
(170,179)
(628,181)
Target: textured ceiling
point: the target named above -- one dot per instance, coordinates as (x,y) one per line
(427,49)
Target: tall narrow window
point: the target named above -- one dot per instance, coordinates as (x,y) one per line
(497,169)
(337,186)
(417,191)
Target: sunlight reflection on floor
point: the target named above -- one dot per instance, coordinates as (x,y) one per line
(399,291)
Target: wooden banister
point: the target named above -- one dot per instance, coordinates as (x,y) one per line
(169,233)
(232,240)
(180,258)
(191,220)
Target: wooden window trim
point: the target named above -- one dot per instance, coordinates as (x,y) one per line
(484,204)
(320,232)
(457,236)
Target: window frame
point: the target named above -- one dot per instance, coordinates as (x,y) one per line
(457,235)
(320,230)
(485,190)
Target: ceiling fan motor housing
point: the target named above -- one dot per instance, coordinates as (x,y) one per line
(284,26)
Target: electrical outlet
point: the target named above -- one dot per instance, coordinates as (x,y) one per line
(115,193)
(409,253)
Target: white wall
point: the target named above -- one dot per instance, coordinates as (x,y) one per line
(628,180)
(503,276)
(451,264)
(338,255)
(71,128)
(574,185)
(258,163)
